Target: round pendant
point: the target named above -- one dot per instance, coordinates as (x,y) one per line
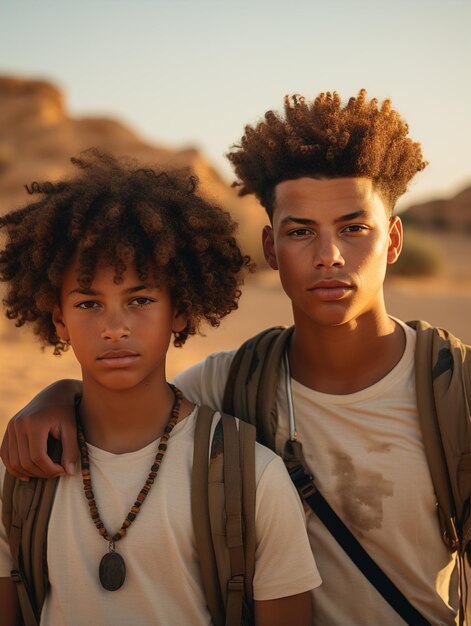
(112,571)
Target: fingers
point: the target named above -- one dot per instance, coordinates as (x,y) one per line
(50,413)
(8,453)
(26,454)
(34,459)
(70,451)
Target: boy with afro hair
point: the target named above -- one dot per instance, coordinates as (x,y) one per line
(112,262)
(349,378)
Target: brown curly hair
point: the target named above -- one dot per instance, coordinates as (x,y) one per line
(324,139)
(117,212)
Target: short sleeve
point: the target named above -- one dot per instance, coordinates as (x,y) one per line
(204,382)
(284,563)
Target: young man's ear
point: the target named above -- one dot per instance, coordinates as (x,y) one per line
(395,239)
(268,244)
(59,323)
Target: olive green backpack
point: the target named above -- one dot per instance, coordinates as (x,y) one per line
(223,519)
(443,389)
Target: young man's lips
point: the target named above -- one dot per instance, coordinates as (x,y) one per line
(327,290)
(118,358)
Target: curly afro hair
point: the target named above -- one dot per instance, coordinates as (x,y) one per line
(121,214)
(324,139)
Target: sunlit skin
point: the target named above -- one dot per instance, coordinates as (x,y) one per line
(331,241)
(120,334)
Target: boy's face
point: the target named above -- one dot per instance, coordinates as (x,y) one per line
(331,241)
(119,333)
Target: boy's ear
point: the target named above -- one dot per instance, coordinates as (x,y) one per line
(268,244)
(59,323)
(180,320)
(395,239)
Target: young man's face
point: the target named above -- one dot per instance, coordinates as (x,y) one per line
(119,333)
(331,241)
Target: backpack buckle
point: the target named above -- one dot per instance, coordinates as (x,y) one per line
(236,584)
(303,481)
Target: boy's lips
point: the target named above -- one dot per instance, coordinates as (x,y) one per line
(327,290)
(118,358)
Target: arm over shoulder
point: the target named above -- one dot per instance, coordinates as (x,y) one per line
(51,412)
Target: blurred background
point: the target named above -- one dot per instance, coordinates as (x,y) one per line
(174,82)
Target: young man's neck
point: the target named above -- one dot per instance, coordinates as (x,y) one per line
(126,420)
(346,358)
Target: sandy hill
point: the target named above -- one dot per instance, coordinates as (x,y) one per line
(38,137)
(453,214)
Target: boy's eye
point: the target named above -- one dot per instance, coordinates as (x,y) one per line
(88,304)
(142,301)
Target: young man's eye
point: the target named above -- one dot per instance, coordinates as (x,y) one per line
(354,228)
(300,232)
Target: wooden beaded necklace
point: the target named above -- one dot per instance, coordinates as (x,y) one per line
(112,570)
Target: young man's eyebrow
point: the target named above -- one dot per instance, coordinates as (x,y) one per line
(309,222)
(87,291)
(351,216)
(298,220)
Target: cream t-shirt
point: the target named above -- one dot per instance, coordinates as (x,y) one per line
(163,582)
(366,452)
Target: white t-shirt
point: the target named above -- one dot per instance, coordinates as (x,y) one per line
(366,452)
(163,582)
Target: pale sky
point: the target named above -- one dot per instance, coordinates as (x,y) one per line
(182,72)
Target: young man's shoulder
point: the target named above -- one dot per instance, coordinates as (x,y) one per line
(438,333)
(205,381)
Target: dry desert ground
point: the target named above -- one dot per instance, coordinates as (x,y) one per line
(445,301)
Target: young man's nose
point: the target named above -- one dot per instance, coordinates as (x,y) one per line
(327,254)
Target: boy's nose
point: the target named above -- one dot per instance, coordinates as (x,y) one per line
(115,328)
(327,254)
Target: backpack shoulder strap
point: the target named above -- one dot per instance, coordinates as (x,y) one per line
(443,387)
(25,514)
(250,391)
(200,514)
(223,508)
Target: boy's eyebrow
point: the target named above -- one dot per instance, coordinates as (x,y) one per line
(309,222)
(87,291)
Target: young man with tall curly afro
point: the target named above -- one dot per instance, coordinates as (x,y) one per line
(329,174)
(112,262)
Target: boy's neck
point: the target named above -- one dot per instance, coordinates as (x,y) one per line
(346,358)
(126,421)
